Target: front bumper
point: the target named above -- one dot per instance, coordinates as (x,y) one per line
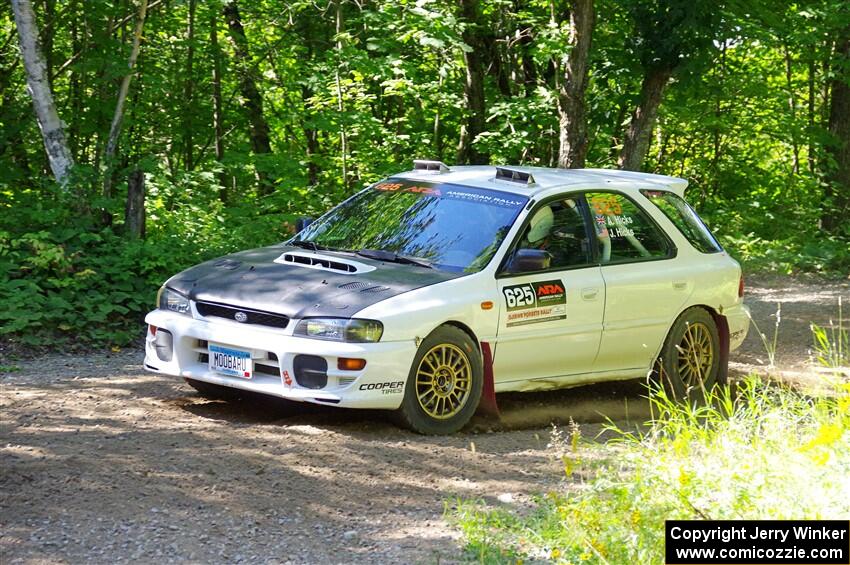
(738,318)
(380,384)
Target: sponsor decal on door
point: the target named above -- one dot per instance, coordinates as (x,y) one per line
(535,302)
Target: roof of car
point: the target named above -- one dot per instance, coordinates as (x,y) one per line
(496,178)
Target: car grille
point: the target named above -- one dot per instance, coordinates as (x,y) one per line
(252,316)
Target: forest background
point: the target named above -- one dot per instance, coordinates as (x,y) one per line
(140,137)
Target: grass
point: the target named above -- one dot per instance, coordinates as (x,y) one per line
(758,450)
(832,344)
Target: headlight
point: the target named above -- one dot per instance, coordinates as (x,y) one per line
(340,329)
(173,300)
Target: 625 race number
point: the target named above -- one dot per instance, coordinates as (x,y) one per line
(519,296)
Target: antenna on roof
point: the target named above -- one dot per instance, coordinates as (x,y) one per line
(433,166)
(514,175)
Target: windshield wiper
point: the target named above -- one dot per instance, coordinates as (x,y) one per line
(304,244)
(313,246)
(392,257)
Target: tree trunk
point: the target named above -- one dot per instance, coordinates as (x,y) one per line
(572,117)
(792,106)
(639,133)
(838,175)
(77,89)
(312,138)
(188,84)
(38,84)
(438,126)
(617,128)
(118,116)
(218,107)
(529,69)
(343,134)
(500,65)
(47,34)
(253,101)
(810,79)
(719,72)
(473,88)
(134,213)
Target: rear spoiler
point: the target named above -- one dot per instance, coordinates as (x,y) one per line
(678,187)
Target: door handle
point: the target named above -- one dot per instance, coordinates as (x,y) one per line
(589,293)
(680,285)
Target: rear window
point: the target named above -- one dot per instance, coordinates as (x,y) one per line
(685,218)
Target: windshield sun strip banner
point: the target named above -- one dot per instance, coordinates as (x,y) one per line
(454,192)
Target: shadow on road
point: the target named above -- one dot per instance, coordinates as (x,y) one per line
(622,401)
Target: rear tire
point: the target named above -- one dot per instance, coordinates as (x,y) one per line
(689,365)
(213,391)
(444,384)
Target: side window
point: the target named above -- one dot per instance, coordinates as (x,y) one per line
(558,227)
(624,232)
(685,219)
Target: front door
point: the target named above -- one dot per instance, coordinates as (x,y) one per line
(550,320)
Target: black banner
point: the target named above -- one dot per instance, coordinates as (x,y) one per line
(757,542)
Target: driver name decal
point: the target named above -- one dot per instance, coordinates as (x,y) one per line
(535,302)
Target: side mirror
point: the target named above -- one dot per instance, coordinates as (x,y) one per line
(302,223)
(528,261)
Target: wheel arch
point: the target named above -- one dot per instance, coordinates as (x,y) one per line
(722,335)
(465,329)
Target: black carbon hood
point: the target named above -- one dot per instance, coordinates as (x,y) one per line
(252,279)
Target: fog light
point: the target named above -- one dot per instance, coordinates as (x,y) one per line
(349,364)
(164,344)
(311,371)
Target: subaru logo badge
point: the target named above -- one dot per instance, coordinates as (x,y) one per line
(240,317)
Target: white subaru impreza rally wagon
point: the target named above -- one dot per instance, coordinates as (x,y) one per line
(432,290)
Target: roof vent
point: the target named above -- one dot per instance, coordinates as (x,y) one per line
(514,175)
(433,166)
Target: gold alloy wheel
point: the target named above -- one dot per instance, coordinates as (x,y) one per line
(443,381)
(696,353)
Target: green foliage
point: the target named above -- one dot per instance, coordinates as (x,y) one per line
(793,254)
(832,344)
(762,453)
(65,277)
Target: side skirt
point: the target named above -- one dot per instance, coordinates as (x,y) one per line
(569,381)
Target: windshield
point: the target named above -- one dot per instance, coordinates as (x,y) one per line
(453,228)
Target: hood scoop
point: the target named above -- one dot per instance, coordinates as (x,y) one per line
(324,263)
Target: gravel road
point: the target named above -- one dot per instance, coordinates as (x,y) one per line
(101,462)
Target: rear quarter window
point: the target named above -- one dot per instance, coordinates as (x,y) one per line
(685,219)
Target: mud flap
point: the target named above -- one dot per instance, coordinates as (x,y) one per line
(487,405)
(723,338)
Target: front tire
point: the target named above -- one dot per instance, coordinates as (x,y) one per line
(689,365)
(444,385)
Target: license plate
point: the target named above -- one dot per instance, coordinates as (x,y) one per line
(233,362)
